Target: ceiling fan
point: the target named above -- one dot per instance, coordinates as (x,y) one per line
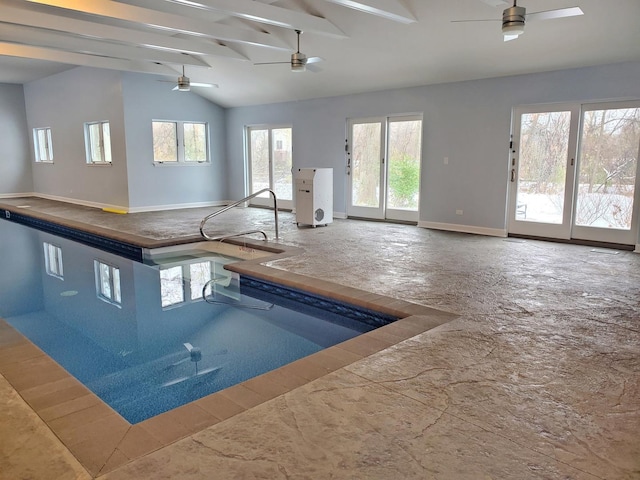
(299,60)
(513,18)
(184,84)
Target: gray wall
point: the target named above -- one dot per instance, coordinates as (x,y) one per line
(129,102)
(15,156)
(468,122)
(151,187)
(64,102)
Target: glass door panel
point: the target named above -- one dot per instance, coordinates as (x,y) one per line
(607,179)
(259,160)
(404,145)
(366,160)
(282,164)
(544,141)
(270,163)
(383,164)
(542,167)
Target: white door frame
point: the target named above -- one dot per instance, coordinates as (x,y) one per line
(524,227)
(373,212)
(381,211)
(267,200)
(609,235)
(567,229)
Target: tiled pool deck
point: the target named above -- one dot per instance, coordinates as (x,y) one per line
(535,373)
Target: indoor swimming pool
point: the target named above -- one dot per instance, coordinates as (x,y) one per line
(147,337)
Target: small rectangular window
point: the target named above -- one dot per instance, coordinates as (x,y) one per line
(180,142)
(108,283)
(195,142)
(43,145)
(98,141)
(53,260)
(200,274)
(171,286)
(165,141)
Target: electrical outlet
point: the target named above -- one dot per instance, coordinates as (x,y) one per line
(446,160)
(459,212)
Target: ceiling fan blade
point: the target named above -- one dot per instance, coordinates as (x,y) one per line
(205,85)
(508,38)
(314,60)
(559,13)
(478,20)
(495,3)
(273,63)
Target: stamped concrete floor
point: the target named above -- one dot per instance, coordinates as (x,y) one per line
(539,376)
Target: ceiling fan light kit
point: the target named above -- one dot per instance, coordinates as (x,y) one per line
(298,62)
(184,84)
(513,21)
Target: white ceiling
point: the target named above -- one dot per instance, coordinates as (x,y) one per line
(367,45)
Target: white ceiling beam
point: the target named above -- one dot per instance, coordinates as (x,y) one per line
(43,38)
(257,12)
(118,34)
(213,18)
(389,9)
(167,21)
(81,59)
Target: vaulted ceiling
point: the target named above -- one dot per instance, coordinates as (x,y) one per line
(365,45)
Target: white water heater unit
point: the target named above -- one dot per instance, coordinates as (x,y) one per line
(314,196)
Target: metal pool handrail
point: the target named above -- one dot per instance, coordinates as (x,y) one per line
(235,204)
(211,299)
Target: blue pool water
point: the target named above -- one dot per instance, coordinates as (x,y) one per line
(141,337)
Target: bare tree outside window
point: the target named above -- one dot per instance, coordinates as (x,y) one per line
(608,166)
(282,163)
(366,156)
(259,147)
(544,144)
(165,142)
(195,142)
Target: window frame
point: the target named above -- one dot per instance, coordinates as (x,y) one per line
(189,294)
(53,252)
(115,297)
(179,129)
(272,144)
(48,145)
(104,152)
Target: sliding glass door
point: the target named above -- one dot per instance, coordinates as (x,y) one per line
(607,187)
(573,172)
(269,164)
(383,167)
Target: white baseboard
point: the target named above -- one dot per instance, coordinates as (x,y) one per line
(17,195)
(637,250)
(149,208)
(178,206)
(341,215)
(454,227)
(84,203)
